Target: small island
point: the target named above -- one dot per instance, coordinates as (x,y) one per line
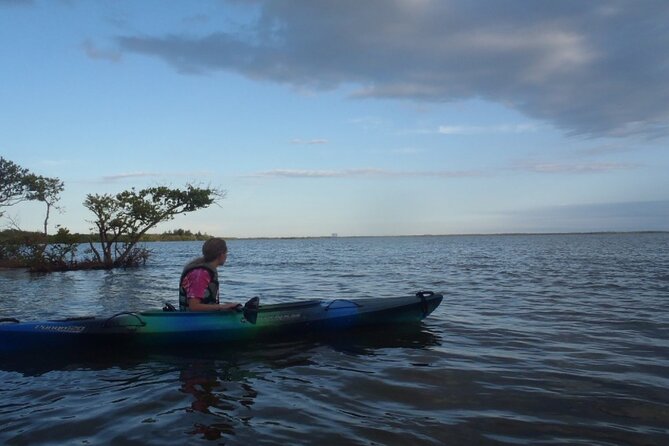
(121,221)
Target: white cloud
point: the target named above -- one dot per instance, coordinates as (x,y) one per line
(574,168)
(308,142)
(124,176)
(361,173)
(407,151)
(477,130)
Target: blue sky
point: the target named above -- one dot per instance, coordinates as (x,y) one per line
(357,118)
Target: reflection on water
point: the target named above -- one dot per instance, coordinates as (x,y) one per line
(214,392)
(288,350)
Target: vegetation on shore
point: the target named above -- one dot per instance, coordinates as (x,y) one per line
(24,249)
(121,222)
(178,235)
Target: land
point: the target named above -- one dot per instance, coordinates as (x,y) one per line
(17,236)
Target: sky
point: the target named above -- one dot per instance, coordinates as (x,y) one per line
(382,117)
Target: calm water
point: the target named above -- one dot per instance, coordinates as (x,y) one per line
(541,340)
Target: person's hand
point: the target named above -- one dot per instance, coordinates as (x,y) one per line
(230,307)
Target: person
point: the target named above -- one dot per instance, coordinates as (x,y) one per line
(198,286)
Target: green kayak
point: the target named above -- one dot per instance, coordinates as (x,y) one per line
(173,328)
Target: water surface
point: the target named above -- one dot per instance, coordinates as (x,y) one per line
(560,339)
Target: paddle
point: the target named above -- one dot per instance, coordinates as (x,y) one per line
(250,309)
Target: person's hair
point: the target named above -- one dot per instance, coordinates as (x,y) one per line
(213,248)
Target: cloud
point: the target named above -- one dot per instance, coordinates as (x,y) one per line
(93,52)
(533,167)
(368,122)
(573,168)
(407,151)
(361,173)
(589,68)
(124,176)
(605,149)
(476,130)
(308,141)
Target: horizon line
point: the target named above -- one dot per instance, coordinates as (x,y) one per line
(479,234)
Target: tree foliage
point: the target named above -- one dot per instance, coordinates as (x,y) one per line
(122,219)
(46,190)
(12,185)
(19,184)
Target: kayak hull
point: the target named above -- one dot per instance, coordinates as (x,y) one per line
(164,328)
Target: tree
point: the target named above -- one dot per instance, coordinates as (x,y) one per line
(46,190)
(19,184)
(122,219)
(12,186)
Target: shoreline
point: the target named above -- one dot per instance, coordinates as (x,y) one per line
(496,234)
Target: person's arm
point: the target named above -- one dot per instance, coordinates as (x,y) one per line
(194,304)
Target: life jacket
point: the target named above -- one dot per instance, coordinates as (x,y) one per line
(210,294)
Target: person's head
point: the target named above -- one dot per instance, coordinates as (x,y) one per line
(213,248)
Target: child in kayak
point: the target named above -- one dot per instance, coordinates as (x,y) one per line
(198,286)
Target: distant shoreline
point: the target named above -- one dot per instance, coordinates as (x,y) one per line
(153,238)
(500,234)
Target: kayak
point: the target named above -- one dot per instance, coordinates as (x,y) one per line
(174,328)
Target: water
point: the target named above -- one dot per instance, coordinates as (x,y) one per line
(541,340)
